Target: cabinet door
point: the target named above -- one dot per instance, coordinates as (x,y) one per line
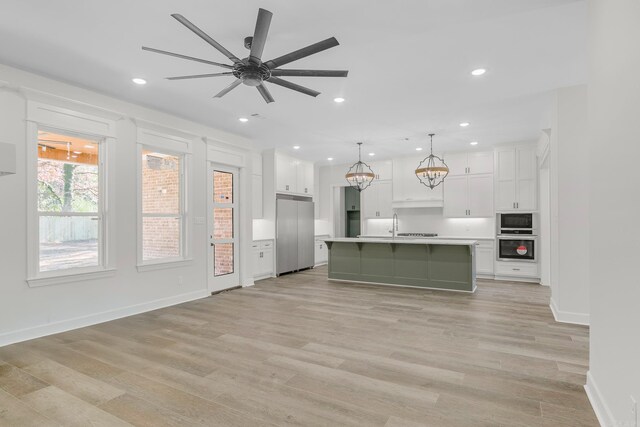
(286,172)
(480,162)
(526,175)
(505,179)
(267,262)
(369,200)
(383,169)
(457,163)
(484,260)
(255,259)
(480,196)
(384,199)
(455,196)
(307,178)
(256,194)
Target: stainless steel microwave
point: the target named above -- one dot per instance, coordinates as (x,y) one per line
(517,223)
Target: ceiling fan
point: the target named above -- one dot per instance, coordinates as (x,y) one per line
(252,71)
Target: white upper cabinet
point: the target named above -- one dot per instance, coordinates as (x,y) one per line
(304,181)
(383,169)
(408,191)
(286,173)
(515,178)
(293,175)
(468,196)
(471,163)
(376,200)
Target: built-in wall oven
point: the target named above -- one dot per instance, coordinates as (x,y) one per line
(517,237)
(517,248)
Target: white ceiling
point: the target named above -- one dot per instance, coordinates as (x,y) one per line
(409,65)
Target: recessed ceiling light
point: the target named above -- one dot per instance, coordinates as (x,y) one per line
(77,152)
(418,148)
(89,146)
(296,147)
(329,158)
(338,100)
(74,157)
(139,81)
(464,124)
(474,143)
(243,119)
(478,71)
(372,154)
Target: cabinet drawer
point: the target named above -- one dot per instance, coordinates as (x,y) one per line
(516,269)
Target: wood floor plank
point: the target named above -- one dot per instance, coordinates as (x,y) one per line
(301,350)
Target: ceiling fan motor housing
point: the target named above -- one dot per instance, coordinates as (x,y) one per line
(251,74)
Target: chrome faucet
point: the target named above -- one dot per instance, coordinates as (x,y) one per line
(394,225)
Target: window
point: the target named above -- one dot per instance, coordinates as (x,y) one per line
(162,206)
(69,203)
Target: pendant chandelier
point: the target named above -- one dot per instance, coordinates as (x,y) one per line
(360,175)
(432,170)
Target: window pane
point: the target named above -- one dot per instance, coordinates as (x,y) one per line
(222,187)
(68,178)
(223,259)
(68,242)
(160,183)
(223,223)
(160,238)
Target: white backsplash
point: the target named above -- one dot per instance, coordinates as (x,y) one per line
(430,220)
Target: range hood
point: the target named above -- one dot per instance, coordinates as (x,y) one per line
(411,203)
(7,159)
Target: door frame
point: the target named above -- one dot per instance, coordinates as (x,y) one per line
(227,281)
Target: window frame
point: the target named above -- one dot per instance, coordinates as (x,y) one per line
(48,118)
(185,255)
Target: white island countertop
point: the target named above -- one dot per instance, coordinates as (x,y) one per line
(404,241)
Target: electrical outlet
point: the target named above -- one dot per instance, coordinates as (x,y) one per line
(180,280)
(634,412)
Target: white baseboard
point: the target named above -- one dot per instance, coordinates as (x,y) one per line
(568,316)
(92,319)
(605,417)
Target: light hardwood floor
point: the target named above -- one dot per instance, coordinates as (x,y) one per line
(299,350)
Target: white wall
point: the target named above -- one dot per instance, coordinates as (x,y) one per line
(569,204)
(27,312)
(613,139)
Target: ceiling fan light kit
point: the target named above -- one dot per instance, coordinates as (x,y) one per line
(432,171)
(252,71)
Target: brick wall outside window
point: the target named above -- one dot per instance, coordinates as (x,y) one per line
(161,235)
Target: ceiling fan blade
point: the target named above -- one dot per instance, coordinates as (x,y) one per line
(228,89)
(289,85)
(302,53)
(190,58)
(265,93)
(260,35)
(199,76)
(204,36)
(309,73)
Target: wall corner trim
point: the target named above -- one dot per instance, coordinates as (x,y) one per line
(93,319)
(568,316)
(603,413)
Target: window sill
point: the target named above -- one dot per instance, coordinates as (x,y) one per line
(161,265)
(37,282)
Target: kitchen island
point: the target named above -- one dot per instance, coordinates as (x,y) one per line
(421,263)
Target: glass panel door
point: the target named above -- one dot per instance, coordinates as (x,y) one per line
(223,228)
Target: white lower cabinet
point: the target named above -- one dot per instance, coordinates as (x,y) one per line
(321,251)
(262,256)
(485,257)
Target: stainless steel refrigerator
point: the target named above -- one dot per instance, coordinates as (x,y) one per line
(294,233)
